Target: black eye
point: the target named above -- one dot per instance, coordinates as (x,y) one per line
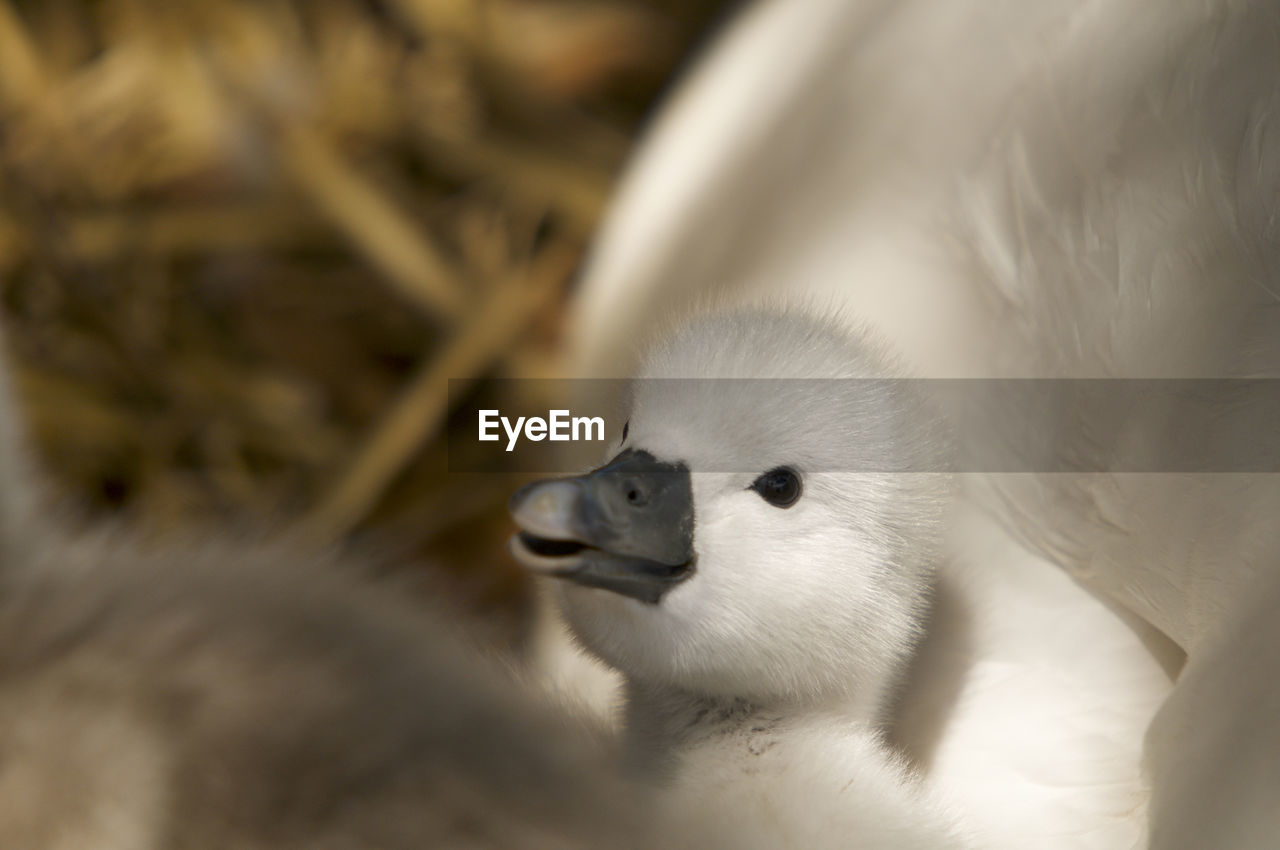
(779,487)
(626,426)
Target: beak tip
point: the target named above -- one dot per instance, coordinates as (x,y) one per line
(547,509)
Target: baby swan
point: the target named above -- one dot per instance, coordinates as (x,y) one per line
(756,560)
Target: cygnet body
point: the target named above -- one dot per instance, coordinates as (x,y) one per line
(757,559)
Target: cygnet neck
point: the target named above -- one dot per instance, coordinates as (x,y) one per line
(661,720)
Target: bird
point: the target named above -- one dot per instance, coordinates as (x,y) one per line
(254,691)
(1052,191)
(231,696)
(1034,734)
(756,559)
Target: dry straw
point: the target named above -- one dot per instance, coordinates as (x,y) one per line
(245,243)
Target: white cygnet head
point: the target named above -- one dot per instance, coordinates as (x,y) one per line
(762,531)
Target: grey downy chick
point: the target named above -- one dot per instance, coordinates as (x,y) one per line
(224,695)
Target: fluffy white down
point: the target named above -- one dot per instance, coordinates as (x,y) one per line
(757,686)
(818,784)
(819,600)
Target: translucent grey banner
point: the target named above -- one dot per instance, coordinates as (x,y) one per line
(861,425)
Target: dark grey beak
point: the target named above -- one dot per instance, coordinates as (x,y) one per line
(626,527)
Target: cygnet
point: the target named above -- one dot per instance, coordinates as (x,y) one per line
(216,693)
(756,559)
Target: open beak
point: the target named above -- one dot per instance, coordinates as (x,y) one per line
(626,527)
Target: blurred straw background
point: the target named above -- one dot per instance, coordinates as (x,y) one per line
(244,244)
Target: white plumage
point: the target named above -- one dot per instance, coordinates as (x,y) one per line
(1051,189)
(757,686)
